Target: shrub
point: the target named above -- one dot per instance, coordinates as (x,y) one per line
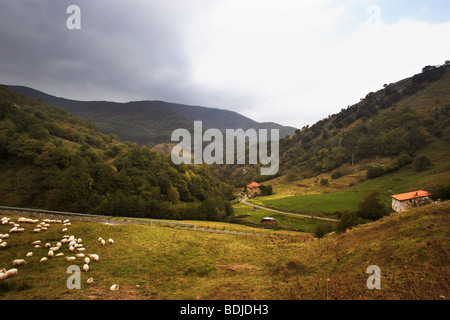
(371,207)
(348,220)
(421,163)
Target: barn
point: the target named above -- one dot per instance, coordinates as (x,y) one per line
(269,221)
(405,201)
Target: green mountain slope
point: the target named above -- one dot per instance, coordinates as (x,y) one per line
(150,122)
(53,160)
(404,117)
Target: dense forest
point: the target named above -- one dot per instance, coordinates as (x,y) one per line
(53,160)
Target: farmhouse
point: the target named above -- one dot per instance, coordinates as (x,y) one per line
(405,201)
(253,189)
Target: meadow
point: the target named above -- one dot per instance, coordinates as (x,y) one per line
(155,262)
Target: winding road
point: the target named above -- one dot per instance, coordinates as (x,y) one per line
(244,201)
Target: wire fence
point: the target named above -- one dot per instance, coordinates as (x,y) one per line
(92,217)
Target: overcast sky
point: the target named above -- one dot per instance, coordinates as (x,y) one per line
(289,61)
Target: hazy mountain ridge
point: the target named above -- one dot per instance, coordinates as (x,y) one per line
(150,122)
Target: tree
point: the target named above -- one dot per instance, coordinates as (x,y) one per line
(321,230)
(347,221)
(421,163)
(371,207)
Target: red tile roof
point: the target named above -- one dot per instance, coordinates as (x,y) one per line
(411,195)
(253,185)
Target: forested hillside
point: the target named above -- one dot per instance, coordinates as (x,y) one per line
(150,122)
(396,121)
(50,159)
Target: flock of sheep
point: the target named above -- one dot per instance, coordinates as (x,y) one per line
(74,245)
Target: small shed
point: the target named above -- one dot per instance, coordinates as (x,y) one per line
(269,221)
(405,201)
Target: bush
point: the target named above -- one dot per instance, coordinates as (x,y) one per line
(323,182)
(374,172)
(421,163)
(337,174)
(348,220)
(371,207)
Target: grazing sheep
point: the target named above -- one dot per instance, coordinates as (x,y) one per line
(43,259)
(64,230)
(19,262)
(94,257)
(13,229)
(36,242)
(87,260)
(81,249)
(4,236)
(90,281)
(59,254)
(103,242)
(37,246)
(51,254)
(100,239)
(79,240)
(48,245)
(111,241)
(71,248)
(86,267)
(36,230)
(3,244)
(79,255)
(70,258)
(29,254)
(114,287)
(11,273)
(2,274)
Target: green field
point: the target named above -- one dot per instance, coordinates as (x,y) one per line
(325,201)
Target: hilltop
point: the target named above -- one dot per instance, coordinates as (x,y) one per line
(150,122)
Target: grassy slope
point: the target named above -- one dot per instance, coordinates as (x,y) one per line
(152,262)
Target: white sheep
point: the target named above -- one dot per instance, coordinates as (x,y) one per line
(94,257)
(64,230)
(114,287)
(36,230)
(103,242)
(79,240)
(90,280)
(59,254)
(86,267)
(70,258)
(87,260)
(79,255)
(30,254)
(111,241)
(2,274)
(3,244)
(51,254)
(37,246)
(36,242)
(19,262)
(11,273)
(48,245)
(13,229)
(71,248)
(43,259)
